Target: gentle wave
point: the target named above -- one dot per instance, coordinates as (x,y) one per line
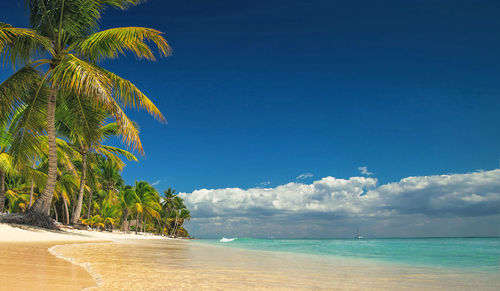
(227,239)
(87,266)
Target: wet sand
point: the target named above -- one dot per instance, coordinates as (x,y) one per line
(30,266)
(187,265)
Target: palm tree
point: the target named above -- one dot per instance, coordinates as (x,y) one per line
(127,198)
(178,205)
(109,178)
(167,205)
(110,214)
(184,216)
(146,204)
(67,32)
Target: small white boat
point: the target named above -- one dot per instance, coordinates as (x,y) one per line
(358,236)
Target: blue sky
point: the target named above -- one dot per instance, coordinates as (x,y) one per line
(257,93)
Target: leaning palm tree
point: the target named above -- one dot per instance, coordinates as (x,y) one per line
(66,33)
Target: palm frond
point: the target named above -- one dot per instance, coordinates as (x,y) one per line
(128,130)
(110,43)
(130,95)
(30,125)
(75,76)
(17,90)
(20,44)
(111,152)
(7,163)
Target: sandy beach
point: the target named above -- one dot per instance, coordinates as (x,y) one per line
(94,260)
(27,263)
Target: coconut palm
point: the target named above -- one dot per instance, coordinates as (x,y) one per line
(178,206)
(66,33)
(110,214)
(109,178)
(184,216)
(167,205)
(146,204)
(126,199)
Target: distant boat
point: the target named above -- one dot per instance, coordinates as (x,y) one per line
(358,236)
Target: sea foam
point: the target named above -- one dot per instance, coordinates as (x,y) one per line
(227,239)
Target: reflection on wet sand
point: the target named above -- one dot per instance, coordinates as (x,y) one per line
(167,265)
(30,266)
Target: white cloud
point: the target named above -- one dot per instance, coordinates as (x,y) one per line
(330,205)
(304,176)
(326,195)
(156,182)
(471,194)
(364,171)
(266,183)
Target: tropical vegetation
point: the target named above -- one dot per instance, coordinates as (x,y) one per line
(58,109)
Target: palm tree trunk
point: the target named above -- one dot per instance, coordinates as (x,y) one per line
(32,187)
(175,226)
(143,223)
(42,204)
(78,209)
(55,212)
(166,220)
(136,222)
(89,212)
(2,190)
(66,210)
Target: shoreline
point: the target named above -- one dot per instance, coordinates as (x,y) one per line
(86,266)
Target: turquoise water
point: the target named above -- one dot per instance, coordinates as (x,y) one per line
(471,253)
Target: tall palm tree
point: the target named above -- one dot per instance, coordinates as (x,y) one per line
(66,31)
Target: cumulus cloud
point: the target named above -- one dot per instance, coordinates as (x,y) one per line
(364,171)
(332,204)
(304,176)
(472,194)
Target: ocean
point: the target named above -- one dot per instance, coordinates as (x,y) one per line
(460,253)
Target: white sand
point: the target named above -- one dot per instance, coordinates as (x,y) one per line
(10,233)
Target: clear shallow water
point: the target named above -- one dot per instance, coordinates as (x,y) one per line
(198,265)
(470,253)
